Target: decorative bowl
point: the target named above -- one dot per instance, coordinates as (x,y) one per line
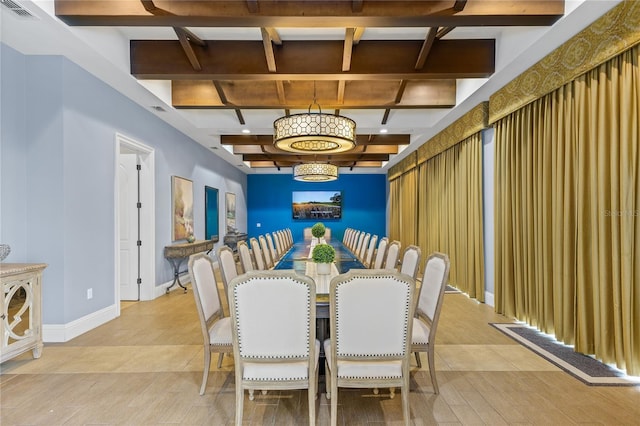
(4,251)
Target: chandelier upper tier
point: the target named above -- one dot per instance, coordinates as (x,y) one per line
(314,132)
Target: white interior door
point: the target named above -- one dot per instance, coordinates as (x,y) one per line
(128,215)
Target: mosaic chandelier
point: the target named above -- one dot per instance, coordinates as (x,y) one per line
(314,132)
(315,172)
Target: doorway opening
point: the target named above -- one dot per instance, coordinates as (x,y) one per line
(135,221)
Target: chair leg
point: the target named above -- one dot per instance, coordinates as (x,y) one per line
(432,370)
(239,403)
(220,356)
(417,354)
(334,402)
(312,398)
(405,401)
(205,374)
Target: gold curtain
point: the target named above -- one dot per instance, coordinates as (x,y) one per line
(567,205)
(450,212)
(403,204)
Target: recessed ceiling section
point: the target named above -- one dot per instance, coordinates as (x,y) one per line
(239,65)
(378,94)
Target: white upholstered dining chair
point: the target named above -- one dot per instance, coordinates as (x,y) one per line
(227,266)
(393,253)
(371,319)
(411,261)
(244,253)
(272,248)
(363,247)
(216,329)
(274,328)
(257,254)
(430,298)
(370,250)
(381,254)
(268,261)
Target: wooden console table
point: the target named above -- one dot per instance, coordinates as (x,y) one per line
(21,309)
(178,253)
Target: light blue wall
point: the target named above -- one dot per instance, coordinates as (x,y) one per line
(364,203)
(58,178)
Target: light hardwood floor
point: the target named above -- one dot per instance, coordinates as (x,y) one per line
(145,367)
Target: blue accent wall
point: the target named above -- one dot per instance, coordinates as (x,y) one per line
(364,200)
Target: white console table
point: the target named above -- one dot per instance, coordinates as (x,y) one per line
(21,309)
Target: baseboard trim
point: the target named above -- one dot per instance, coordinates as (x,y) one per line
(65,332)
(161,289)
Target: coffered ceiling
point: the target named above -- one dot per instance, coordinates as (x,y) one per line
(224,70)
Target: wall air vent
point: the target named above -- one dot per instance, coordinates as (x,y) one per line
(17,9)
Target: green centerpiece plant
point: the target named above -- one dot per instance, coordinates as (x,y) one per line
(318,230)
(323,255)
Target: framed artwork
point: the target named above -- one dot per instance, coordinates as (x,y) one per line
(182,207)
(231,212)
(211,213)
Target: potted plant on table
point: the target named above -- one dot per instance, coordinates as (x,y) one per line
(318,231)
(323,255)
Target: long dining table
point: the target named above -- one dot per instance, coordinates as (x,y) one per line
(298,258)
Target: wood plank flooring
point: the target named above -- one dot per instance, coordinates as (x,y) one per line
(145,367)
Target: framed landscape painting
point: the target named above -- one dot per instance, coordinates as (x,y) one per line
(182,207)
(231,212)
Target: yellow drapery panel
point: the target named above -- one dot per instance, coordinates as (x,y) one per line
(403,214)
(567,205)
(450,212)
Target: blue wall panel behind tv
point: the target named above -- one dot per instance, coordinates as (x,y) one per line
(364,201)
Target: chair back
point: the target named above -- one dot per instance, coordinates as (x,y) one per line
(272,249)
(371,314)
(278,243)
(434,281)
(393,253)
(372,248)
(227,265)
(257,254)
(411,261)
(345,236)
(245,256)
(363,247)
(205,292)
(358,246)
(289,237)
(381,253)
(354,240)
(268,262)
(273,316)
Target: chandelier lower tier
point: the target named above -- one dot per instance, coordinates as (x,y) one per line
(315,172)
(314,133)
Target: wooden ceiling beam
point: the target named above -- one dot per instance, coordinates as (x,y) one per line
(298,60)
(271,149)
(426,48)
(319,14)
(361,139)
(318,158)
(268,50)
(225,101)
(189,94)
(183,38)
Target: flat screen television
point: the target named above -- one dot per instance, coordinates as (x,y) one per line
(311,205)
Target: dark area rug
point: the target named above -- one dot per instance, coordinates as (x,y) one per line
(582,367)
